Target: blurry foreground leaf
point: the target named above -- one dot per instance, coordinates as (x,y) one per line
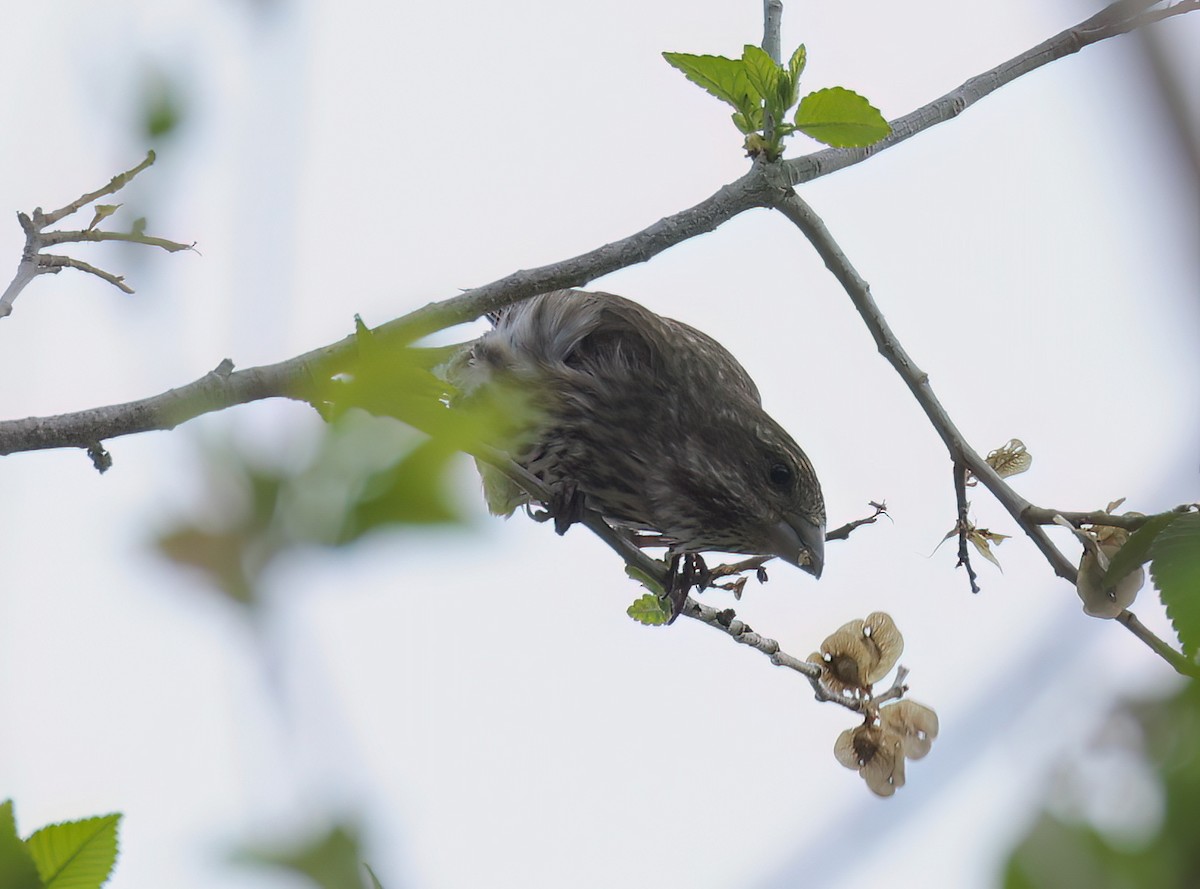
(410,491)
(76,854)
(162,105)
(17,868)
(1175,568)
(1136,549)
(332,861)
(1064,852)
(234,548)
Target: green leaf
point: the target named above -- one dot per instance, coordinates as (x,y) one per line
(103,211)
(749,123)
(17,868)
(762,72)
(331,861)
(721,77)
(649,610)
(76,854)
(795,69)
(1175,567)
(410,491)
(841,118)
(1136,550)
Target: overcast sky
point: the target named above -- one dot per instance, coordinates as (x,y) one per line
(477,698)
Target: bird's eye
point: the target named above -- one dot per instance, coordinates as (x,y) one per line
(780,475)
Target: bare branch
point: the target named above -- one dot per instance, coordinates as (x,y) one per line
(1181,664)
(291,378)
(741,632)
(94,234)
(114,185)
(1045,516)
(51,265)
(33,263)
(845,530)
(772,21)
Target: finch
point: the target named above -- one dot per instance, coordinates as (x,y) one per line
(645,420)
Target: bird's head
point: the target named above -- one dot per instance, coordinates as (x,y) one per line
(749,488)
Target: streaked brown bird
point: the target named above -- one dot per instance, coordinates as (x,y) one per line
(647,421)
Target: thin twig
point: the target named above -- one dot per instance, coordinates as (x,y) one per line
(52,265)
(845,530)
(1044,516)
(741,632)
(960,496)
(49,239)
(1183,665)
(114,185)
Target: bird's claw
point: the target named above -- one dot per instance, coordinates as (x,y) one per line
(687,571)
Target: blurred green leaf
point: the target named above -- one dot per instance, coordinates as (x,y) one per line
(841,118)
(162,105)
(219,555)
(1175,568)
(234,553)
(410,491)
(17,867)
(76,854)
(332,861)
(1063,853)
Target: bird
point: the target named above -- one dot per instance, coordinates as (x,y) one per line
(645,420)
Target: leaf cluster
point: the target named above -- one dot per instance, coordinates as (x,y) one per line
(763,94)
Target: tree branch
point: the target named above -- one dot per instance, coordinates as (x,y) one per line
(795,209)
(961,454)
(960,496)
(34,263)
(1112,21)
(291,378)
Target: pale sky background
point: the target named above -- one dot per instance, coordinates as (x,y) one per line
(477,698)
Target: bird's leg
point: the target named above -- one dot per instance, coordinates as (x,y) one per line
(687,571)
(677,586)
(566,505)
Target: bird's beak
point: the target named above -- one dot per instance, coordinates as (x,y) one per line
(797,540)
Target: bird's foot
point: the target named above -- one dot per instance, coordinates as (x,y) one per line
(687,571)
(566,507)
